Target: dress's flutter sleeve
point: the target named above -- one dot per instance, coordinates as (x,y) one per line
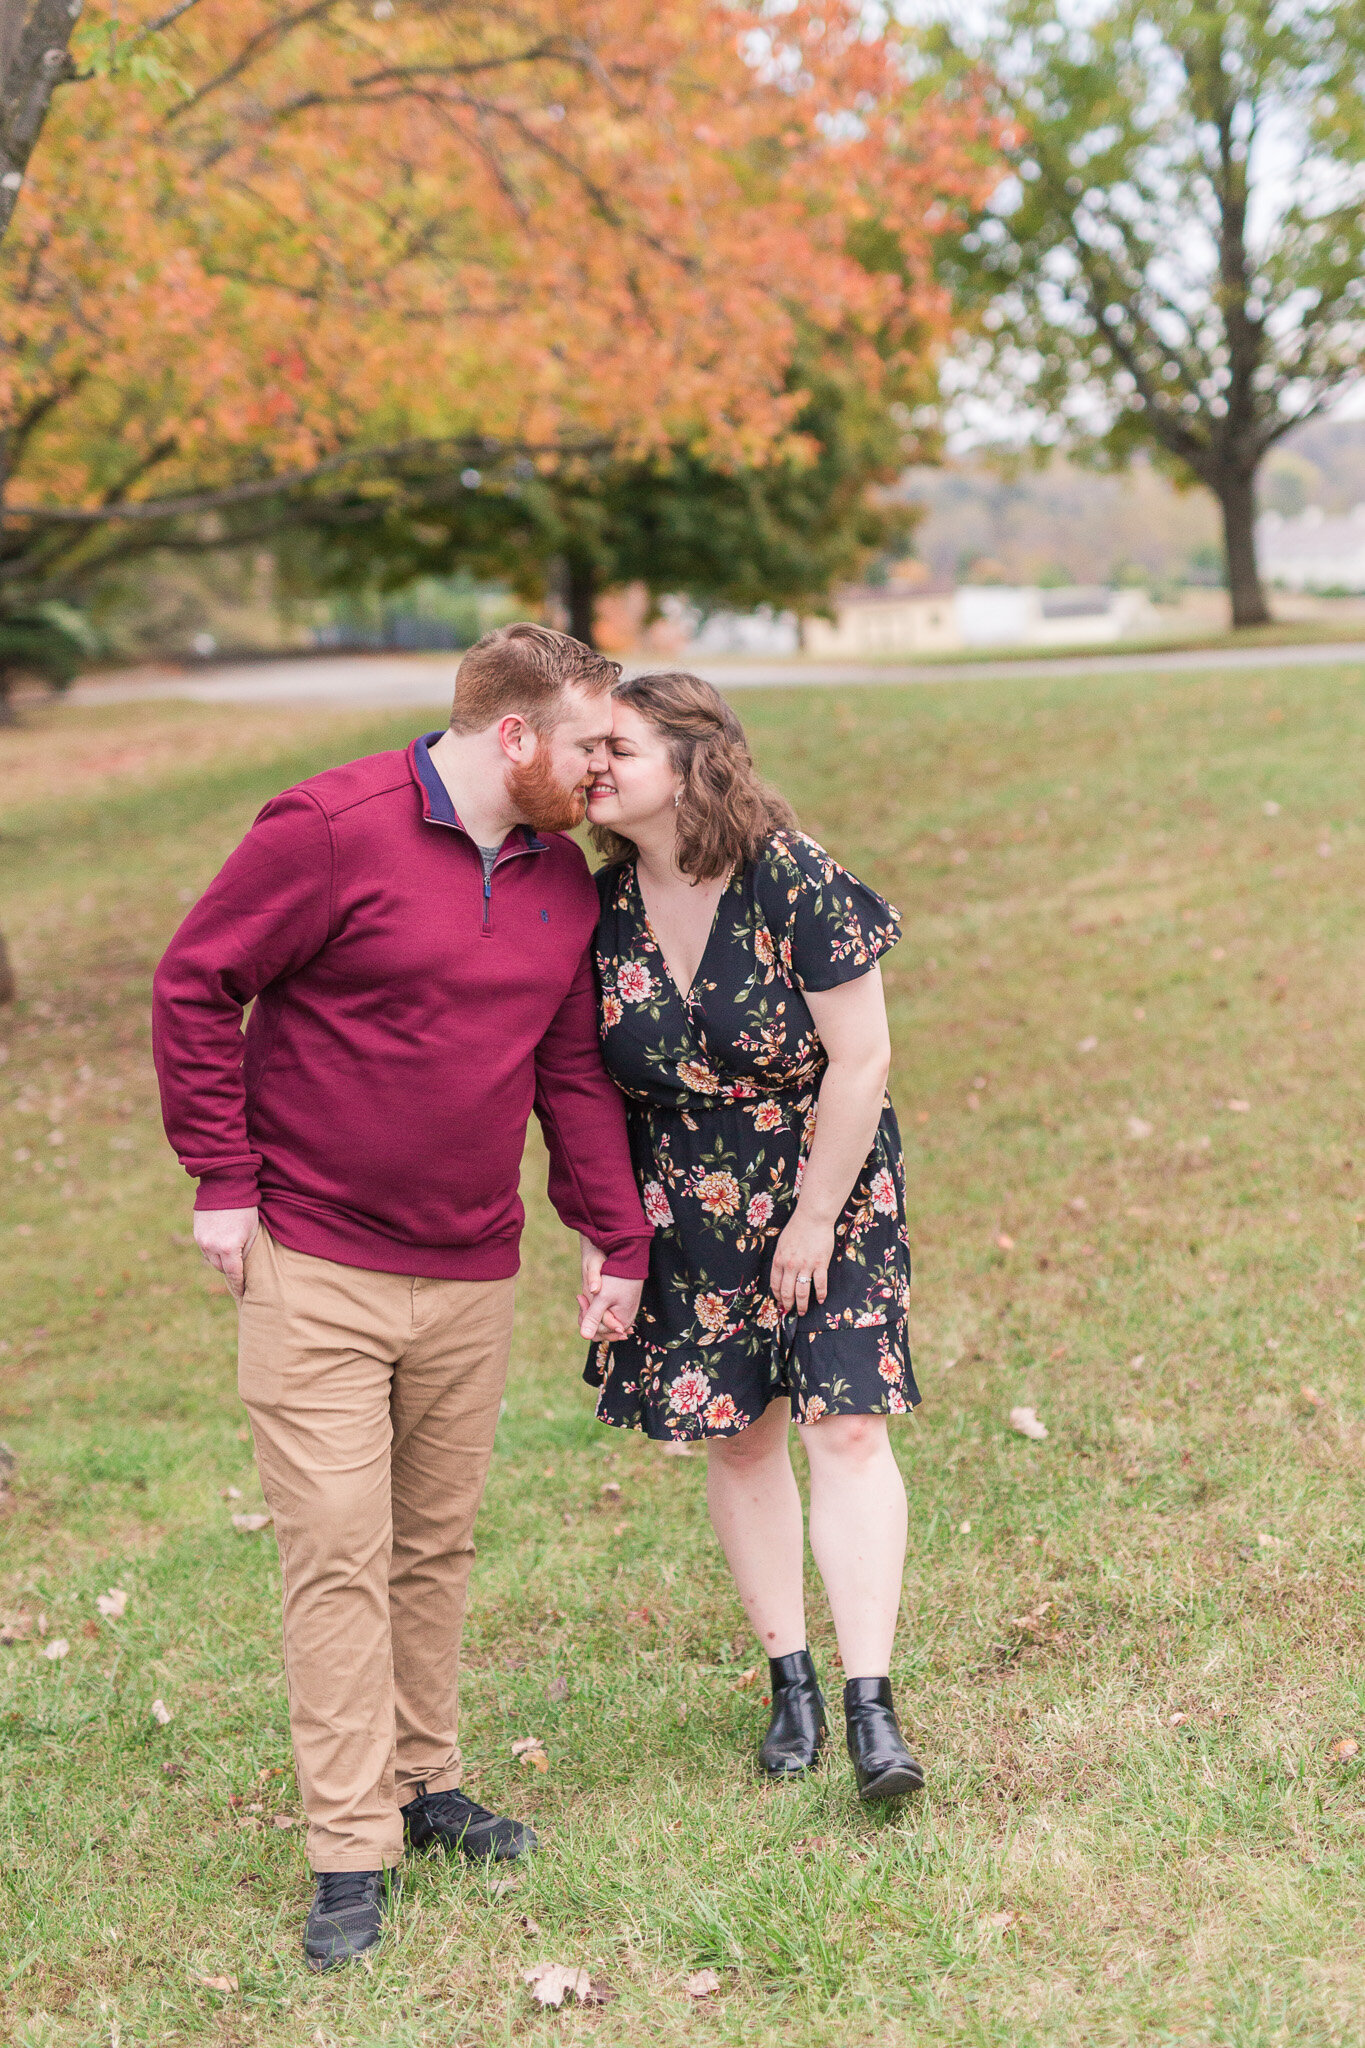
(829,927)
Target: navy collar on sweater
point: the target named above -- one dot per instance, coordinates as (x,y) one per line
(440,810)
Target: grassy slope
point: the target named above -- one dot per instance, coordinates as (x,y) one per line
(1125,1652)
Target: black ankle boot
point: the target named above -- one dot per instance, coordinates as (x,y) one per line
(800,1719)
(882,1764)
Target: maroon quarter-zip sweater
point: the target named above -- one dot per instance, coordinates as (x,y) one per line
(408,1016)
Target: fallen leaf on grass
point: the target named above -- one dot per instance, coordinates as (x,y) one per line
(1235,1103)
(552,1983)
(247,1525)
(232,1493)
(999,1920)
(112,1603)
(56,1649)
(1177,1720)
(90,1628)
(1344,1749)
(161,1713)
(813,1845)
(505,1885)
(16,1631)
(1312,1397)
(1025,1421)
(216,1983)
(286,1820)
(1004,1240)
(676,1448)
(532,1750)
(1138,1127)
(527,1924)
(702,1984)
(1033,1620)
(611,1491)
(559,1689)
(1269,1542)
(1087,1044)
(745,1678)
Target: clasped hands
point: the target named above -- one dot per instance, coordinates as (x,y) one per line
(607,1306)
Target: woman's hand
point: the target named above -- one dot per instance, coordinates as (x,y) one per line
(607,1305)
(801,1262)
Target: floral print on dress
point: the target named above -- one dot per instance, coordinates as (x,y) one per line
(721,1089)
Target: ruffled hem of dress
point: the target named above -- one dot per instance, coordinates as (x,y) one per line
(655,1419)
(640,1425)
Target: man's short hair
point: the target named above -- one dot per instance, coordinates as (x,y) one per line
(525,668)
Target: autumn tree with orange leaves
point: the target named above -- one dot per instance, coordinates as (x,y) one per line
(268,249)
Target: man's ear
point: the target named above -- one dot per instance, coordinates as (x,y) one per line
(515,737)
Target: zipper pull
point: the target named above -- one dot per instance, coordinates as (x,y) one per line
(487,906)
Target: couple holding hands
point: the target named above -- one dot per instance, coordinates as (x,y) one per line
(701,1031)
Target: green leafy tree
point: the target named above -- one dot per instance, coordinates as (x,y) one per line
(780,533)
(1176,262)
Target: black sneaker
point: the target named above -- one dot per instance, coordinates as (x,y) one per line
(346,1916)
(447,1820)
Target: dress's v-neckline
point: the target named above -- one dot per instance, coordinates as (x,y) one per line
(684,994)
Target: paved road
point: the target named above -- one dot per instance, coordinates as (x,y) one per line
(377,680)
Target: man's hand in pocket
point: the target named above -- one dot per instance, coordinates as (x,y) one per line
(225,1236)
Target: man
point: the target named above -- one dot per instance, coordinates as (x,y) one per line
(415,934)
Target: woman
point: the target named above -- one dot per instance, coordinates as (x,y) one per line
(743,1018)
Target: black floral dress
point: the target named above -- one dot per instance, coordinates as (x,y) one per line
(720,1091)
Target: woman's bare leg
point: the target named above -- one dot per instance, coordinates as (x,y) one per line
(756,1513)
(857,1534)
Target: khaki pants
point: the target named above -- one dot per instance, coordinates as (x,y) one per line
(373,1400)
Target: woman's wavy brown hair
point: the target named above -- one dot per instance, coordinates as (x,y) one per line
(726,812)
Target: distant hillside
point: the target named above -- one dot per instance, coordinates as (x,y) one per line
(1067,524)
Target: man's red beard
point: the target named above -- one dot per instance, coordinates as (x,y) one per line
(543,803)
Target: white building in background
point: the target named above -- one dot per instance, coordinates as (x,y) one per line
(1078,615)
(889,618)
(764,631)
(1315,550)
(922,619)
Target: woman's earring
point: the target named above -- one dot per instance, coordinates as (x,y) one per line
(677,798)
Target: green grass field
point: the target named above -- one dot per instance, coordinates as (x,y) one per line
(1128,1028)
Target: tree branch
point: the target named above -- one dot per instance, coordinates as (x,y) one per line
(469,447)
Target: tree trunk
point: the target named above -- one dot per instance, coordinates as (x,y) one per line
(1237,500)
(8,986)
(8,714)
(581,577)
(34,61)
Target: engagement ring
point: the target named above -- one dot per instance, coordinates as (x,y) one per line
(803,1279)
